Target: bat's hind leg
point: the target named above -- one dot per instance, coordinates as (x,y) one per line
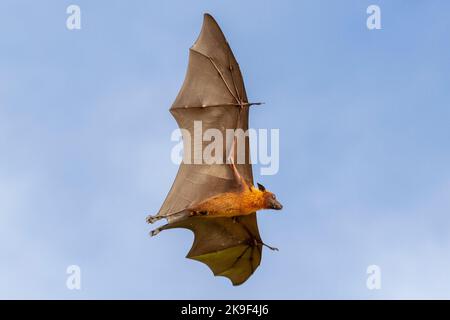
(154,232)
(176,215)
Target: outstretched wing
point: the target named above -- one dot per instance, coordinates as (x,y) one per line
(213,77)
(229,248)
(213,92)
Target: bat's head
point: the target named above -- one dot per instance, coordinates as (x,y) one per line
(270,201)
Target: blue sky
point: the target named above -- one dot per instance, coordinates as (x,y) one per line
(364,159)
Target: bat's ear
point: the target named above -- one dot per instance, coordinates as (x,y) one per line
(261,187)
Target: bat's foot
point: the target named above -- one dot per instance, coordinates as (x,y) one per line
(153,219)
(155,232)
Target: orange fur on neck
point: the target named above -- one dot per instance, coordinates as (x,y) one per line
(252,200)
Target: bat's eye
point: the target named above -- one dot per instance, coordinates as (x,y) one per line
(273,197)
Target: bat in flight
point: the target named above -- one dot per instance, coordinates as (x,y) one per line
(216,201)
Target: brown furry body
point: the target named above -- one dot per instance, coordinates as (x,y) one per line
(230,204)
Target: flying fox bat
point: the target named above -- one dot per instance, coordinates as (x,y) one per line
(217,202)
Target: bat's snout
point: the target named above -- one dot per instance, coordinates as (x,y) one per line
(277,205)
